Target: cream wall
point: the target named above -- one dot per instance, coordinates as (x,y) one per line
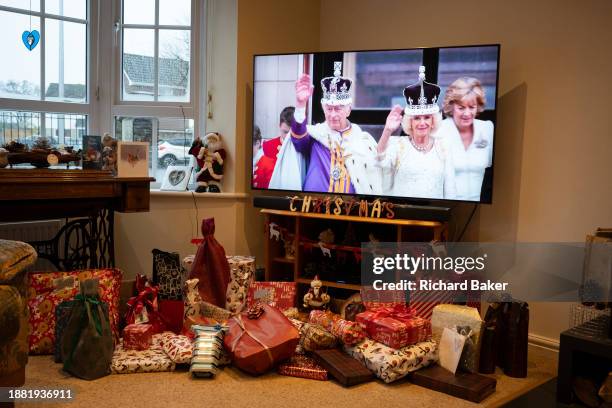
(554,135)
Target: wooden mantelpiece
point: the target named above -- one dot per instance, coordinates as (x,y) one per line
(39,194)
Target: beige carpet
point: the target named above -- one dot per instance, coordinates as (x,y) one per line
(232,388)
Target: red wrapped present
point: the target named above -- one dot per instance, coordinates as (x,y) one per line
(143,308)
(373,299)
(396,327)
(137,336)
(259,338)
(171,312)
(48,289)
(346,331)
(303,367)
(278,294)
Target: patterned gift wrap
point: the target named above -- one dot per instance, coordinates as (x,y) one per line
(168,274)
(315,337)
(303,367)
(178,347)
(49,289)
(395,327)
(424,301)
(197,311)
(278,294)
(141,361)
(373,299)
(242,273)
(390,364)
(137,336)
(345,331)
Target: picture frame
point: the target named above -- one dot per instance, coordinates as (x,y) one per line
(133,159)
(176,178)
(92,152)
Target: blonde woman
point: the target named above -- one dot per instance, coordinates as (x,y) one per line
(417,165)
(470,140)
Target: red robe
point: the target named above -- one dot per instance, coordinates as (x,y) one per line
(265,165)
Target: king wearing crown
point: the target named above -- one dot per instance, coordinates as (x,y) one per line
(340,155)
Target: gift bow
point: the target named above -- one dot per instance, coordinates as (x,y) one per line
(146,297)
(93,301)
(398,312)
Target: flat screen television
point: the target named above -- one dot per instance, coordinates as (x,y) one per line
(411,124)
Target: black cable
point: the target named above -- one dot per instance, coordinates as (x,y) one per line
(195,204)
(467,223)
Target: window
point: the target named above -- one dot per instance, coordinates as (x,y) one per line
(56,69)
(59,128)
(172,136)
(156,53)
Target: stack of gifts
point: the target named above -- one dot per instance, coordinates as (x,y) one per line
(396,326)
(207,351)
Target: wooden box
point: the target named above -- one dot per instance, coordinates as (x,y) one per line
(471,387)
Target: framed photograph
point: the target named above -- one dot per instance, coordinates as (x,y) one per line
(176,178)
(133,159)
(92,152)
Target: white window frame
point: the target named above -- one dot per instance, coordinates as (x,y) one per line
(161,109)
(41,105)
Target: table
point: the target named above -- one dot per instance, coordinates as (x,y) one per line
(88,198)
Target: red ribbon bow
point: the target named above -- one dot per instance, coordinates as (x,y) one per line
(399,312)
(146,298)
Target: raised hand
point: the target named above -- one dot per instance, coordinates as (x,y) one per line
(303,90)
(394,119)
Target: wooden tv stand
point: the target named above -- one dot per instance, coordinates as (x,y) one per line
(302,231)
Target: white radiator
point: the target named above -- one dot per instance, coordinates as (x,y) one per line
(32,231)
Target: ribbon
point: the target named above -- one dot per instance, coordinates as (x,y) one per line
(238,320)
(399,312)
(93,301)
(147,298)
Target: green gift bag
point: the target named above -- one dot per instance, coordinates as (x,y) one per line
(87,342)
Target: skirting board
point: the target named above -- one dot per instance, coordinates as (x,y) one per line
(544,342)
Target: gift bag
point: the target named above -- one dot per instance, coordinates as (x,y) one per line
(210,266)
(168,274)
(62,317)
(87,342)
(259,338)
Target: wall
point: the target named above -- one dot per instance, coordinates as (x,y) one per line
(553,139)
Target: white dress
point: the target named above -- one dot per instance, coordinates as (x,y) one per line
(408,172)
(470,163)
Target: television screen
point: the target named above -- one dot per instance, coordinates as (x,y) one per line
(409,124)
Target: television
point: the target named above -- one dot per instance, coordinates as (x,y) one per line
(410,124)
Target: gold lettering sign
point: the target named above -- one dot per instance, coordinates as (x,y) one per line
(337,206)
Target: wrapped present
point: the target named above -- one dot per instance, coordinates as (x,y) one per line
(211,267)
(208,353)
(137,336)
(278,294)
(197,311)
(259,338)
(451,316)
(87,341)
(144,308)
(345,369)
(373,299)
(303,367)
(345,331)
(49,289)
(171,312)
(168,274)
(178,347)
(390,364)
(395,327)
(242,273)
(153,359)
(424,301)
(315,337)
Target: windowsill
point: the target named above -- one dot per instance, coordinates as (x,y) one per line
(155,192)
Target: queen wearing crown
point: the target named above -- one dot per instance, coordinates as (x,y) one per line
(418,165)
(340,155)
